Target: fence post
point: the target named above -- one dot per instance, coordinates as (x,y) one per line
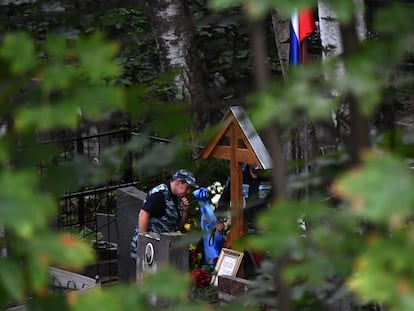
(127,165)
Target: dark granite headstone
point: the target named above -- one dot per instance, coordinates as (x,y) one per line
(155,250)
(106,224)
(128,203)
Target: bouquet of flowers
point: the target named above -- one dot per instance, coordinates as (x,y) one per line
(215,190)
(202,289)
(200,277)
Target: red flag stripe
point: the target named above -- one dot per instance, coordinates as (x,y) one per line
(306,23)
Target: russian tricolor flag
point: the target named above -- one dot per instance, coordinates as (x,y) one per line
(302,25)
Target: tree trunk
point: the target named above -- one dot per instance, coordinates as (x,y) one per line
(173,30)
(339,40)
(281,30)
(304,144)
(273,143)
(330,34)
(329,31)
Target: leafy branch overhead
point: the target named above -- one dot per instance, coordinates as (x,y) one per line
(344,231)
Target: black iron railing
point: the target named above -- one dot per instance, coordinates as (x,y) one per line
(91,211)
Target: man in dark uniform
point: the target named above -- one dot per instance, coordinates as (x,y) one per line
(166,207)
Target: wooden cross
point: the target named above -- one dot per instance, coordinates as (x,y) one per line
(238,142)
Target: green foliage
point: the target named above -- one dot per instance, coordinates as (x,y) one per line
(379,191)
(97,65)
(17,196)
(363,240)
(116,298)
(271,104)
(27,203)
(258,9)
(19,50)
(168,283)
(360,241)
(399,143)
(88,235)
(224,41)
(12,281)
(138,49)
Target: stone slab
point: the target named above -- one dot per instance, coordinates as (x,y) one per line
(128,204)
(155,250)
(230,287)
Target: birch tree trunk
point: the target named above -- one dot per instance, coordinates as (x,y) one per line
(331,40)
(304,142)
(339,41)
(329,31)
(281,30)
(173,30)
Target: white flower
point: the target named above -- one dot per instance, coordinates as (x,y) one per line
(302,224)
(215,190)
(215,199)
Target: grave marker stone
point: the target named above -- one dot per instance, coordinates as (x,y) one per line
(128,204)
(155,250)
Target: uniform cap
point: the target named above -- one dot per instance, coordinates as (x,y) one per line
(186,176)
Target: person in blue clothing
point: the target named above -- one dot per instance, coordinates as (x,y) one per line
(257,195)
(166,207)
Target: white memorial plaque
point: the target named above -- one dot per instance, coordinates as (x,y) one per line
(228,263)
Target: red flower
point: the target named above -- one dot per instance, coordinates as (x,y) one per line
(200,277)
